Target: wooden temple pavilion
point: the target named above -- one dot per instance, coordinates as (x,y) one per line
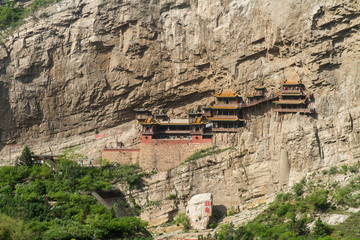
(160,115)
(258,96)
(159,127)
(142,114)
(293,98)
(226,115)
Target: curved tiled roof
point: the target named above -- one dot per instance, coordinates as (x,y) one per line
(227,93)
(291,82)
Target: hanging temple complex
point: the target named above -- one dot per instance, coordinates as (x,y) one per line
(166,142)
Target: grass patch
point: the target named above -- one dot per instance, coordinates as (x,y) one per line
(206,152)
(349,229)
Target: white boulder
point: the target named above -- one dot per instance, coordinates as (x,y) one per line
(199,210)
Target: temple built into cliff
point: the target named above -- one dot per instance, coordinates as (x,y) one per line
(167,142)
(159,126)
(227,114)
(293,99)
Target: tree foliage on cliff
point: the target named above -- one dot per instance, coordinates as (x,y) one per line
(26,157)
(11,13)
(50,205)
(290,215)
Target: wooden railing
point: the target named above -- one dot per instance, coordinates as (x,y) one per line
(255,102)
(228,117)
(224,105)
(294,110)
(225,129)
(290,91)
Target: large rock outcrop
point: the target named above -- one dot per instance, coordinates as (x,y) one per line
(79,70)
(199,210)
(83,66)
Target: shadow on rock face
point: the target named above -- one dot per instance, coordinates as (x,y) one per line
(219,211)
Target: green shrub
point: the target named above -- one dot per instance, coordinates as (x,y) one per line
(226,232)
(171,196)
(318,200)
(344,168)
(341,194)
(283,197)
(283,209)
(182,219)
(301,206)
(232,211)
(10,14)
(13,229)
(333,170)
(298,187)
(353,169)
(321,229)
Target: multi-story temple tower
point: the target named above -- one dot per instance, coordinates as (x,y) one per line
(293,98)
(226,115)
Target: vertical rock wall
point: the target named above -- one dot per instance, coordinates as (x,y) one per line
(81,70)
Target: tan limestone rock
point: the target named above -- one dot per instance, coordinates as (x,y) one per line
(199,210)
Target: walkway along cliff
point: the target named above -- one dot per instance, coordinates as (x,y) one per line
(166,142)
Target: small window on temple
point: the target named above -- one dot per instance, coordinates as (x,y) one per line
(146,137)
(196,137)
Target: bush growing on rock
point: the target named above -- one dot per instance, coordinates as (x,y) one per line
(182,219)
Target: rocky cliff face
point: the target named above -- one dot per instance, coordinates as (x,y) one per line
(78,68)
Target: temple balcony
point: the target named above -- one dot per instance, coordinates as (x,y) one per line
(295,110)
(225,106)
(147,132)
(291,101)
(225,129)
(226,117)
(258,94)
(196,132)
(174,131)
(291,91)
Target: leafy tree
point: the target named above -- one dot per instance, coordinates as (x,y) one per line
(51,206)
(11,229)
(25,159)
